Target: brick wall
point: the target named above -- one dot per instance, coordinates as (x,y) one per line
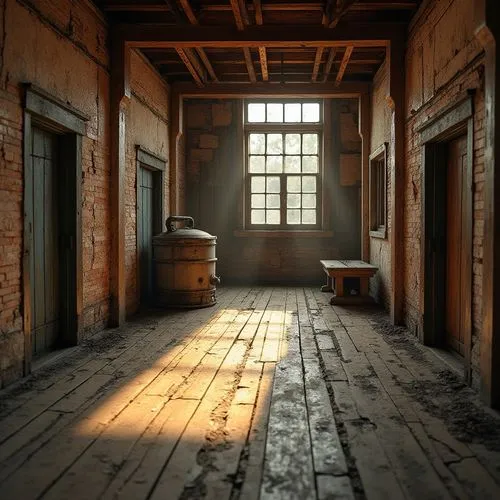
(61,47)
(443,61)
(214,189)
(380,250)
(147,126)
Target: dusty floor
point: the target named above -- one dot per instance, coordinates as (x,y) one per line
(272,393)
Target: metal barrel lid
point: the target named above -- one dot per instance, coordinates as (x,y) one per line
(186,233)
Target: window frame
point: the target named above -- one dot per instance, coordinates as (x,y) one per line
(284,128)
(378,192)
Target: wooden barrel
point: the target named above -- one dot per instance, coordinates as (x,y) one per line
(184,263)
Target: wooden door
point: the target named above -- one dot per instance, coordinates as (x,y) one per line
(455,268)
(145,236)
(44,259)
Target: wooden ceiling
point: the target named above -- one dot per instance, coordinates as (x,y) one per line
(292,63)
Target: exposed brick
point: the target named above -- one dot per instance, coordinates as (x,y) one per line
(209,141)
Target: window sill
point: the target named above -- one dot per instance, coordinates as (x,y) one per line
(379,233)
(261,233)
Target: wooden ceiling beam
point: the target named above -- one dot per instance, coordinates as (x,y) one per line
(238,16)
(189,65)
(180,36)
(317,63)
(271,89)
(186,7)
(248,61)
(342,8)
(343,65)
(257,6)
(263,63)
(275,7)
(329,64)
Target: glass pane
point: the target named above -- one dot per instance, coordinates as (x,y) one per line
(258,185)
(293,184)
(310,164)
(308,216)
(272,216)
(292,164)
(308,201)
(275,112)
(309,184)
(258,217)
(292,144)
(310,112)
(274,144)
(293,200)
(274,164)
(292,113)
(257,113)
(256,164)
(310,144)
(273,201)
(257,144)
(273,184)
(258,201)
(293,216)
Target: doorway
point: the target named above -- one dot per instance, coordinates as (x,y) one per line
(447,200)
(44,261)
(150,181)
(52,240)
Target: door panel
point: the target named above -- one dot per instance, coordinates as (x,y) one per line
(44,255)
(146,211)
(456,183)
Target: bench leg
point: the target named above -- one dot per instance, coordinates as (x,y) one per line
(339,286)
(364,290)
(328,287)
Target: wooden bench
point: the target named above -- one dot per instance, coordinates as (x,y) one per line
(338,270)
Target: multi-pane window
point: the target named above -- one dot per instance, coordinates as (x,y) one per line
(378,192)
(283,150)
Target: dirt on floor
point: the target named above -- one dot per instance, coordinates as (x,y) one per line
(447,397)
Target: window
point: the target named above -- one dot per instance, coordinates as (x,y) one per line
(283,164)
(378,192)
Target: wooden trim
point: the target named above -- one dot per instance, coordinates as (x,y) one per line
(279,233)
(150,159)
(487,32)
(378,231)
(53,111)
(365,134)
(452,122)
(446,120)
(27,242)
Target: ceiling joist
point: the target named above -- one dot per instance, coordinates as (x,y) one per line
(329,64)
(317,63)
(248,61)
(343,65)
(189,65)
(168,36)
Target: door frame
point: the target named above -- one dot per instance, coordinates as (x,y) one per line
(158,166)
(451,123)
(49,113)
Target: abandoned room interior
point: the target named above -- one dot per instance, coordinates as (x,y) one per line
(247,249)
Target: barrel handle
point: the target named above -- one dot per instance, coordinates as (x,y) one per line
(178,218)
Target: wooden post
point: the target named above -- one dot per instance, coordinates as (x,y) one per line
(364,132)
(120,96)
(176,150)
(488,33)
(395,57)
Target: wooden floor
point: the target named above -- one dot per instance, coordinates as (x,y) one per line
(271,394)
